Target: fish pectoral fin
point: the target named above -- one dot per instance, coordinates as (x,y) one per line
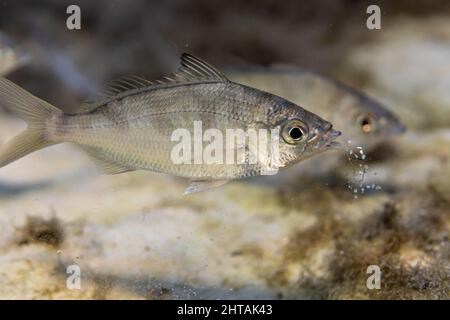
(203,185)
(105,165)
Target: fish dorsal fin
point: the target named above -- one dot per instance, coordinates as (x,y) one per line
(129,83)
(192,70)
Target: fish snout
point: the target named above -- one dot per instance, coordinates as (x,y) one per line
(334,134)
(328,136)
(327,127)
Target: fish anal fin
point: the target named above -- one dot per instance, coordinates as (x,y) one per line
(203,185)
(104,164)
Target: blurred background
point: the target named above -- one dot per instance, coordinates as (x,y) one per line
(135,236)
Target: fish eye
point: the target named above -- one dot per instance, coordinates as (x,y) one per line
(366,122)
(294,131)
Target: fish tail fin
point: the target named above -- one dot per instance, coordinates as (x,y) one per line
(36,112)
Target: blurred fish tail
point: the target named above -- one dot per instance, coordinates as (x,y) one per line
(39,116)
(12,55)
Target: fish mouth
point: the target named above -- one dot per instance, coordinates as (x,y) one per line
(328,140)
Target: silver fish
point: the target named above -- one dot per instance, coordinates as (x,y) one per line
(131,127)
(11,57)
(362,120)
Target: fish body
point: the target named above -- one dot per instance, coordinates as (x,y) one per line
(362,120)
(132,126)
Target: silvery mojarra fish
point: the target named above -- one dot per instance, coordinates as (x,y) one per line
(131,127)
